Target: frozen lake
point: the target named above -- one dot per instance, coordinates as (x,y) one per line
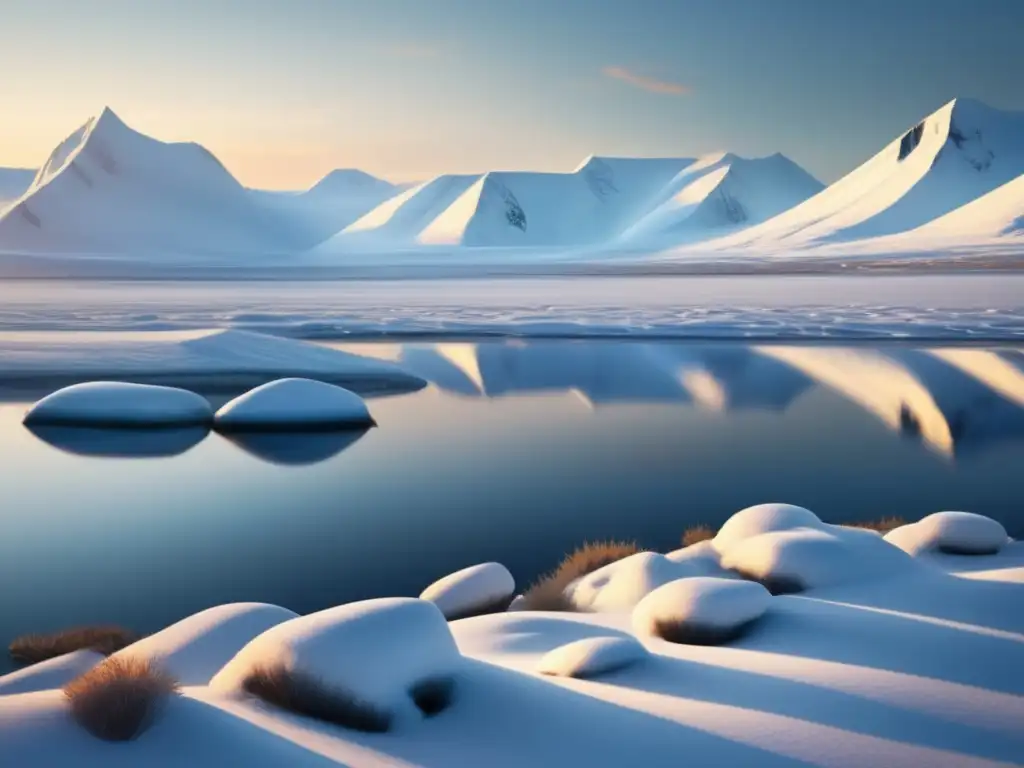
(518,451)
(951,306)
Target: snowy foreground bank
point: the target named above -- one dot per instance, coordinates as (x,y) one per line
(839,647)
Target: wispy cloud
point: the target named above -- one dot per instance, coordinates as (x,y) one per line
(666,87)
(415,51)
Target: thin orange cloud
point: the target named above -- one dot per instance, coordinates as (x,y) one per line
(646,83)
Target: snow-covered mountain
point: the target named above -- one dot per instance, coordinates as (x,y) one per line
(956,155)
(719,194)
(13,183)
(110,189)
(333,203)
(589,206)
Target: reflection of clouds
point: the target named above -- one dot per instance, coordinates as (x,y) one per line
(295,450)
(120,443)
(951,399)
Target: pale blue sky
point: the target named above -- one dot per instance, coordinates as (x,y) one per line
(285,90)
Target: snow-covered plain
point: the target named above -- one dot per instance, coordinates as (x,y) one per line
(909,668)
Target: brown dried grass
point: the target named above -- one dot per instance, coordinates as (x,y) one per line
(548,592)
(31,649)
(697,534)
(119,698)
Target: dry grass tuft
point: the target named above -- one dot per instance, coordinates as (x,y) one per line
(697,534)
(882,525)
(307,696)
(32,649)
(118,699)
(548,593)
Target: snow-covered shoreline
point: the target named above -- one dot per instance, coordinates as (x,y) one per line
(893,654)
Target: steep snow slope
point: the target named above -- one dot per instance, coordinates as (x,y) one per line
(13,183)
(590,205)
(996,214)
(108,188)
(333,203)
(720,193)
(400,220)
(961,152)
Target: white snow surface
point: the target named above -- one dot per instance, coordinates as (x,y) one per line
(619,586)
(762,518)
(963,533)
(701,603)
(294,403)
(904,669)
(194,649)
(374,650)
(592,656)
(203,353)
(471,589)
(121,404)
(49,674)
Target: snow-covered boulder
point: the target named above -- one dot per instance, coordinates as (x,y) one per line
(702,558)
(807,558)
(479,589)
(763,518)
(50,674)
(621,585)
(700,610)
(592,656)
(518,604)
(294,405)
(118,404)
(954,533)
(194,649)
(374,652)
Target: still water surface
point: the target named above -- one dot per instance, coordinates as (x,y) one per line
(516,452)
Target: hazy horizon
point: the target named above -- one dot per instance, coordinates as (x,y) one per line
(405,90)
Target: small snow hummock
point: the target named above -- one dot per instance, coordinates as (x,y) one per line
(375,652)
(479,589)
(788,549)
(50,674)
(116,404)
(701,610)
(621,585)
(294,405)
(953,533)
(194,649)
(592,656)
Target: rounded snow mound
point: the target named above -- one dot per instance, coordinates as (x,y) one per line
(763,518)
(294,404)
(195,648)
(50,674)
(954,533)
(377,653)
(700,610)
(702,558)
(621,585)
(116,404)
(592,656)
(479,589)
(799,559)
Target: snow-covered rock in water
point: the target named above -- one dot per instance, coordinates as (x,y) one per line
(700,610)
(194,649)
(592,656)
(955,533)
(763,518)
(294,404)
(484,588)
(799,559)
(376,652)
(121,404)
(50,674)
(621,585)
